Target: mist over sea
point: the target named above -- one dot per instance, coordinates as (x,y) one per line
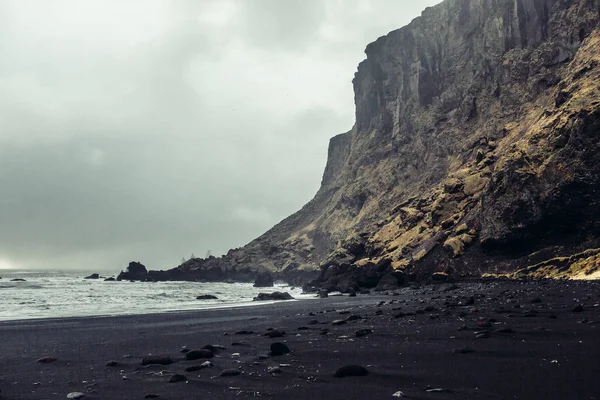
(57,294)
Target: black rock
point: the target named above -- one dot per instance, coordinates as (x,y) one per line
(161,360)
(207,297)
(92,276)
(264,279)
(198,354)
(111,363)
(353,317)
(352,293)
(193,368)
(18,280)
(214,347)
(231,372)
(463,350)
(351,370)
(279,349)
(111,279)
(273,296)
(363,332)
(47,360)
(339,322)
(244,332)
(275,333)
(151,396)
(135,272)
(577,308)
(323,293)
(178,378)
(536,300)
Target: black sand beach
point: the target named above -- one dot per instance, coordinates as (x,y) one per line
(492,340)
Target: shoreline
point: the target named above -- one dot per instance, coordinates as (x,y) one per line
(492,340)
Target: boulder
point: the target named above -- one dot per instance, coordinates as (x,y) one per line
(93,276)
(157,359)
(264,279)
(273,296)
(198,354)
(207,297)
(18,280)
(351,370)
(135,272)
(279,349)
(111,279)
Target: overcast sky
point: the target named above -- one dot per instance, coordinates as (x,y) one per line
(151,129)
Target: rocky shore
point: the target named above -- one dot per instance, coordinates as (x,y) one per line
(480,340)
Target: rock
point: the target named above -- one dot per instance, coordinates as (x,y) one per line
(47,360)
(177,378)
(353,317)
(363,332)
(231,372)
(439,277)
(273,296)
(215,348)
(264,279)
(244,332)
(275,333)
(157,359)
(135,272)
(151,396)
(207,297)
(536,300)
(577,308)
(75,395)
(463,350)
(352,293)
(339,322)
(18,280)
(111,363)
(275,370)
(111,279)
(279,349)
(92,276)
(351,370)
(323,293)
(193,368)
(198,354)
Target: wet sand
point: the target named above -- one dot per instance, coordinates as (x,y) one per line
(492,340)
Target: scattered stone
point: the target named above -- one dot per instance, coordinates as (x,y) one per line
(161,360)
(244,332)
(577,308)
(400,394)
(279,349)
(193,368)
(75,395)
(207,297)
(273,296)
(178,378)
(324,331)
(464,350)
(275,334)
(231,372)
(351,370)
(338,322)
(47,360)
(275,370)
(353,317)
(363,332)
(215,348)
(111,363)
(197,354)
(241,343)
(482,335)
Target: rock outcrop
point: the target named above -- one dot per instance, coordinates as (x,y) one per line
(475,150)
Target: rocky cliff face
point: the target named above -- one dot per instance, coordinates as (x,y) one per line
(475,150)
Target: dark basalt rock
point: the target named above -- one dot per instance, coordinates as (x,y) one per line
(93,276)
(264,279)
(279,349)
(177,378)
(351,370)
(273,296)
(198,354)
(135,272)
(157,359)
(207,297)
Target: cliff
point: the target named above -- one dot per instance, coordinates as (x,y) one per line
(475,150)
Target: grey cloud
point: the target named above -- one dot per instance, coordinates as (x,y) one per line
(191,126)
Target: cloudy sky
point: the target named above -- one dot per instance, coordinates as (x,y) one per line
(153,129)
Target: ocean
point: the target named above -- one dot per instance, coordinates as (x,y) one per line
(59,294)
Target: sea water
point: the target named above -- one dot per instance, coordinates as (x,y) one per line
(57,294)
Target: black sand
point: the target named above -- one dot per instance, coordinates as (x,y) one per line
(531,345)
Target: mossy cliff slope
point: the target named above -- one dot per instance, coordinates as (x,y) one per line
(475,150)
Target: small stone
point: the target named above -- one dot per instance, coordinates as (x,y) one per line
(482,335)
(353,317)
(338,322)
(244,332)
(279,349)
(274,370)
(151,396)
(303,328)
(505,330)
(75,395)
(536,300)
(47,360)
(198,354)
(324,331)
(161,360)
(464,350)
(111,363)
(207,297)
(177,378)
(231,372)
(351,370)
(193,368)
(577,308)
(275,333)
(363,332)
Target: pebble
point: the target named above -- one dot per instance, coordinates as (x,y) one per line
(151,396)
(111,363)
(231,372)
(178,378)
(162,360)
(351,370)
(197,354)
(75,395)
(338,322)
(577,308)
(279,349)
(274,370)
(363,332)
(275,333)
(47,360)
